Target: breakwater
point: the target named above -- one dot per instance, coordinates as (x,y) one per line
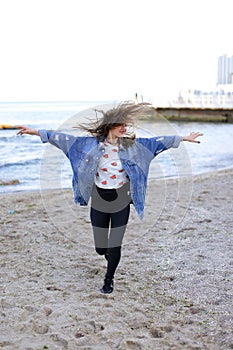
(196,114)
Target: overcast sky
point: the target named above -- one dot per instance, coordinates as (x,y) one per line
(71,50)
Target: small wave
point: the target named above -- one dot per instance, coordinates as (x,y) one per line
(20,163)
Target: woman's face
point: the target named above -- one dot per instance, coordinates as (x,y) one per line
(118,131)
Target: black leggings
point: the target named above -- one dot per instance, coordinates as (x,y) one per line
(109,225)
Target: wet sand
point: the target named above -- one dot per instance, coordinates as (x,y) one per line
(173,287)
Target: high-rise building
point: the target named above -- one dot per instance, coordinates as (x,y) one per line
(225,70)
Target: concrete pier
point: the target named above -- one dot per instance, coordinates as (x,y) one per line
(196,114)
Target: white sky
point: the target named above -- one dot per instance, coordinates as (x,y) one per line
(71,50)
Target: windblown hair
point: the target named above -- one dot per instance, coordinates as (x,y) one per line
(124,113)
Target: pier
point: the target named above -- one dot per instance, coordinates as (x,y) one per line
(196,114)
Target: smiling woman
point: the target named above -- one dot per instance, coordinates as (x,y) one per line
(111,167)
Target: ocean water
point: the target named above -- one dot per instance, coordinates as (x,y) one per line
(25,158)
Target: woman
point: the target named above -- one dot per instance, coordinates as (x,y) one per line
(111,167)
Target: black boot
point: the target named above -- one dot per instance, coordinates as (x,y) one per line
(108,286)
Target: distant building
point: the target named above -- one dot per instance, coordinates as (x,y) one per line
(225,70)
(203,99)
(221,96)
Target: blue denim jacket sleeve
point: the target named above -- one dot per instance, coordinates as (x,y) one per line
(159,144)
(60,140)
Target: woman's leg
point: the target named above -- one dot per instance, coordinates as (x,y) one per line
(100,224)
(119,222)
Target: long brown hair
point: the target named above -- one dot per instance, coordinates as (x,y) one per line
(124,113)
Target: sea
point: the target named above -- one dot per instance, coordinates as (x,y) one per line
(33,164)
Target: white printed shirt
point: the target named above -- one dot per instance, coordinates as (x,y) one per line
(109,172)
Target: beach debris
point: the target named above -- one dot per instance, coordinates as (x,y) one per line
(47,311)
(53,288)
(61,341)
(9,182)
(11,211)
(40,329)
(130,344)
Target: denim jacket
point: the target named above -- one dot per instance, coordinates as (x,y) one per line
(84,153)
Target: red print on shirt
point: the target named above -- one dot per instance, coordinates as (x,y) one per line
(113,177)
(114,163)
(104,182)
(121,170)
(114,150)
(105,155)
(104,169)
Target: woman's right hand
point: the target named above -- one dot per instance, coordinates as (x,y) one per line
(24,130)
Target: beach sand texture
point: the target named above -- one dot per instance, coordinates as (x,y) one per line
(173,287)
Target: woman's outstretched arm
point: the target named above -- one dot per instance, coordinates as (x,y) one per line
(60,140)
(24,130)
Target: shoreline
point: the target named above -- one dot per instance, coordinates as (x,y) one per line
(173,287)
(167,178)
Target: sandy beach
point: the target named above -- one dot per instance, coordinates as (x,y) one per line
(173,287)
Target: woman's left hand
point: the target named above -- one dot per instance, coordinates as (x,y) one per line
(192,137)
